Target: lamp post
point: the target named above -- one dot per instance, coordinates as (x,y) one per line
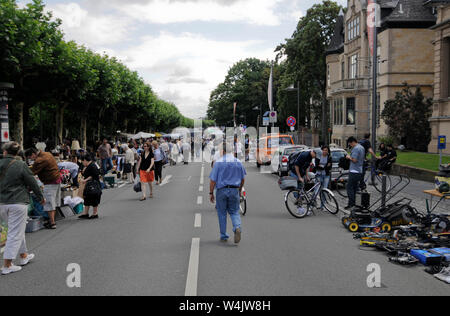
(292,88)
(4,116)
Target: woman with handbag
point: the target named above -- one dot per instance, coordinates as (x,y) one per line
(146,166)
(92,188)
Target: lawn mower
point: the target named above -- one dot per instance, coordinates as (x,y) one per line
(386,216)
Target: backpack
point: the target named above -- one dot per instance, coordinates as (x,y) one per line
(292,159)
(344,163)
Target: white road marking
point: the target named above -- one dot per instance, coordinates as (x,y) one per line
(198,220)
(192,276)
(202,174)
(200,200)
(166,180)
(200,189)
(122,185)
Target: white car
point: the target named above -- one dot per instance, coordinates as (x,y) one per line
(280,160)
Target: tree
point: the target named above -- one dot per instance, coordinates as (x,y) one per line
(245,84)
(306,60)
(407,116)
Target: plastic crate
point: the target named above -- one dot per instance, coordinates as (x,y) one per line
(34,224)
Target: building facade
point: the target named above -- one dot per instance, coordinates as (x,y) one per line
(405,55)
(440,120)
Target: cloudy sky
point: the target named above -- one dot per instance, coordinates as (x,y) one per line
(182,48)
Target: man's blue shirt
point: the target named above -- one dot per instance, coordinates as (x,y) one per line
(227,171)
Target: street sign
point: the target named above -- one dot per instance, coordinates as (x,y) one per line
(5,136)
(292,128)
(266,121)
(442,143)
(273,117)
(291,121)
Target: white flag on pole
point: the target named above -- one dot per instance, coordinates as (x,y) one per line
(270,89)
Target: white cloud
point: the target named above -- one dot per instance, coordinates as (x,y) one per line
(185,68)
(91,30)
(260,12)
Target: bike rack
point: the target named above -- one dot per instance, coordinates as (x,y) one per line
(391,194)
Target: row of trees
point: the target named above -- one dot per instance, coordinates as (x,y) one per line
(66,90)
(300,60)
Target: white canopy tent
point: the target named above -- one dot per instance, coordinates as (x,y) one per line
(143,135)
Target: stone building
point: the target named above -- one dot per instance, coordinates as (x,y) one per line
(440,121)
(405,55)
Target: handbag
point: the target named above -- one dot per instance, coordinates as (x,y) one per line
(137,185)
(93,188)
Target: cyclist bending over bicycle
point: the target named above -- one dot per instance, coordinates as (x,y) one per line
(298,167)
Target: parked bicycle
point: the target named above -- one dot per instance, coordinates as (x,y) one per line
(300,203)
(243,203)
(373,176)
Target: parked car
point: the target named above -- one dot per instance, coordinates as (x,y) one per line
(280,159)
(268,148)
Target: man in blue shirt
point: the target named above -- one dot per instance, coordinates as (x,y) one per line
(228,177)
(355,175)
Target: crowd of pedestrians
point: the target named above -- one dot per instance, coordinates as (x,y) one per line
(41,172)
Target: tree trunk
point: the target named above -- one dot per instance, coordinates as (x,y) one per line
(83,131)
(19,125)
(60,123)
(99,130)
(324,119)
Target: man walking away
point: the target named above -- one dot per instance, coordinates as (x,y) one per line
(228,177)
(105,153)
(47,170)
(355,175)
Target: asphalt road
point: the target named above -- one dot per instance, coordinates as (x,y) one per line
(169,245)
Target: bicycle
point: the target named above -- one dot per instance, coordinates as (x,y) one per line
(374,174)
(243,202)
(297,199)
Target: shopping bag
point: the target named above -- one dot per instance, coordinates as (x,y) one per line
(3,233)
(81,190)
(137,185)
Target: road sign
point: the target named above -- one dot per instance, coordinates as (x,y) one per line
(273,117)
(5,136)
(442,143)
(291,121)
(266,121)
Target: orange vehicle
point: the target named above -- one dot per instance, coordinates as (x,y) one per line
(268,145)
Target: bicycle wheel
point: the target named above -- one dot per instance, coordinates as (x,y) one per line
(341,186)
(296,203)
(377,181)
(329,202)
(243,206)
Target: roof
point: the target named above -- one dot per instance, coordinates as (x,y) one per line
(394,14)
(406,13)
(337,41)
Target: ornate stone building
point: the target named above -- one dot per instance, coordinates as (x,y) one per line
(405,55)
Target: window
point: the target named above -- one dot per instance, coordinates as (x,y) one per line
(353,67)
(351,111)
(328,76)
(338,112)
(353,29)
(343,70)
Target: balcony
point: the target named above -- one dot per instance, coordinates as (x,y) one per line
(348,85)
